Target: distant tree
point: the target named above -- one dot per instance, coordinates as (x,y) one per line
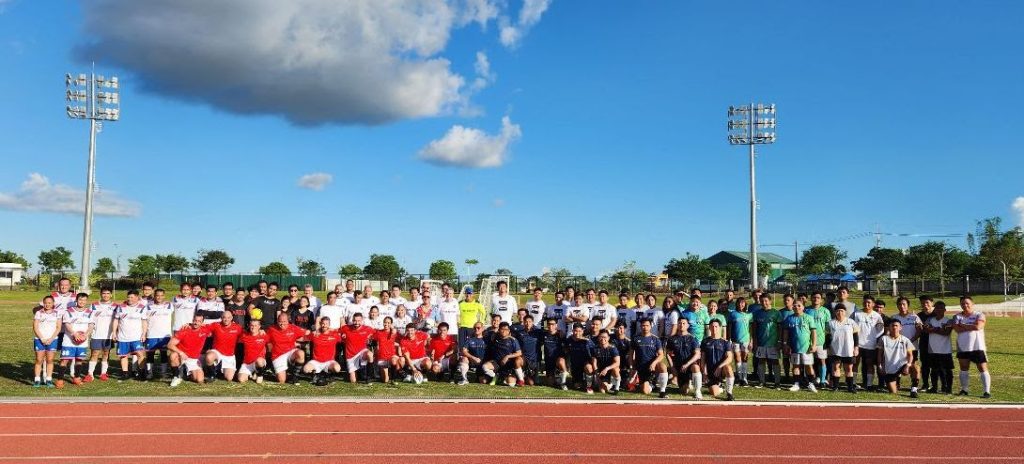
(502,271)
(764,268)
(350,271)
(383,267)
(998,247)
(880,261)
(12,257)
(143,266)
(630,276)
(104,268)
(213,261)
(931,259)
(275,268)
(688,269)
(823,259)
(310,268)
(56,259)
(172,263)
(443,270)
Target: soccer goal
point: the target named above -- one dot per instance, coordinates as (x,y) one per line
(434,286)
(489,288)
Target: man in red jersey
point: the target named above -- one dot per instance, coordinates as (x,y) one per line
(282,337)
(222,351)
(386,341)
(414,354)
(186,347)
(357,355)
(442,351)
(325,346)
(254,353)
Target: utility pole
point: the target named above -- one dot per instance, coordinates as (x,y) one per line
(750,125)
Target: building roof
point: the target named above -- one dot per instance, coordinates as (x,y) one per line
(11,266)
(732,256)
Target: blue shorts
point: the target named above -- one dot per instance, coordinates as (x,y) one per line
(39,346)
(72,352)
(153,344)
(100,344)
(127,348)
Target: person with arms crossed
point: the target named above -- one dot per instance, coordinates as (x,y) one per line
(927,306)
(969,326)
(45,327)
(605,311)
(895,355)
(940,348)
(716,360)
(843,347)
(186,349)
(684,360)
(103,313)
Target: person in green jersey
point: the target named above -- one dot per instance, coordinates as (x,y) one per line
(798,342)
(739,332)
(784,312)
(697,314)
(714,315)
(765,326)
(470,312)
(821,315)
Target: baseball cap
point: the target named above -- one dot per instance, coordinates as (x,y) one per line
(469,290)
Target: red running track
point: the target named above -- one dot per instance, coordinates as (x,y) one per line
(536,433)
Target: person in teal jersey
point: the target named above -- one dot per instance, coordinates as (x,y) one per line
(739,332)
(798,342)
(821,315)
(714,315)
(755,302)
(784,312)
(765,326)
(730,301)
(698,318)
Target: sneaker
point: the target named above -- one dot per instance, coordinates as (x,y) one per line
(408,379)
(463,382)
(811,388)
(963,393)
(49,384)
(37,384)
(932,390)
(76,381)
(698,396)
(88,379)
(259,379)
(613,392)
(759,386)
(175,382)
(986,395)
(565,387)
(662,395)
(795,387)
(913,393)
(743,383)
(104,377)
(520,383)
(729,397)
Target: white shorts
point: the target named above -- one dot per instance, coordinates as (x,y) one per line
(356,362)
(820,352)
(247,369)
(445,363)
(418,363)
(385,362)
(769,352)
(281,362)
(319,367)
(191,365)
(801,359)
(226,362)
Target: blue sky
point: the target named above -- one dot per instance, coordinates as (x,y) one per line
(898,116)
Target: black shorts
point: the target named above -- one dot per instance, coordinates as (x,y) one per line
(683,375)
(713,379)
(841,359)
(551,364)
(940,360)
(889,378)
(644,374)
(869,354)
(531,367)
(976,357)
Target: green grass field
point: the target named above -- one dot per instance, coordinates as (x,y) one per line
(1006,356)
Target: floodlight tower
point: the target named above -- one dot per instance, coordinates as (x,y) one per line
(97,99)
(752,124)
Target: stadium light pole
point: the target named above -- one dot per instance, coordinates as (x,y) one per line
(752,124)
(85,102)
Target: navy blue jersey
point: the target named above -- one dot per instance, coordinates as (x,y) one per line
(605,356)
(646,349)
(580,350)
(476,347)
(681,348)
(530,341)
(624,345)
(714,350)
(504,347)
(553,345)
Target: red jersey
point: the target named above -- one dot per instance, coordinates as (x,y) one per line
(255,346)
(191,340)
(325,345)
(225,338)
(385,344)
(283,341)
(355,338)
(416,346)
(440,346)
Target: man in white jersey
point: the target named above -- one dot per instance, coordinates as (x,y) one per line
(843,347)
(605,311)
(63,296)
(503,304)
(333,311)
(970,346)
(627,315)
(653,313)
(78,327)
(910,327)
(368,297)
(396,296)
(130,327)
(579,313)
(415,300)
(895,355)
(158,332)
(558,311)
(386,306)
(447,307)
(184,305)
(314,302)
(871,327)
(211,306)
(103,321)
(536,307)
(940,349)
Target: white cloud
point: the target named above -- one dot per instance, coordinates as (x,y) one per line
(529,15)
(484,76)
(309,61)
(315,181)
(38,194)
(472,148)
(498,202)
(1018,207)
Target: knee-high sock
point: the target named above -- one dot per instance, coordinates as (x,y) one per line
(616,382)
(697,379)
(104,365)
(92,367)
(662,382)
(519,374)
(729,382)
(464,370)
(986,381)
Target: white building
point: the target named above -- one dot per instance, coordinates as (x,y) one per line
(10,274)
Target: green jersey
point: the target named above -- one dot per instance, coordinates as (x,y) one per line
(700,324)
(767,321)
(821,316)
(739,326)
(799,327)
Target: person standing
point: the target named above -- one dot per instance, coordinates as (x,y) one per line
(923,346)
(940,349)
(970,346)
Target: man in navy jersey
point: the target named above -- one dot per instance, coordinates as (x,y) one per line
(474,350)
(716,357)
(554,354)
(530,337)
(624,344)
(647,355)
(683,358)
(508,358)
(580,351)
(606,364)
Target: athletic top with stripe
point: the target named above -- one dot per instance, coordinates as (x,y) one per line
(103,319)
(714,351)
(184,309)
(871,327)
(79,319)
(160,315)
(972,340)
(49,322)
(130,317)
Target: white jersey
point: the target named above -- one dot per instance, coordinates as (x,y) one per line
(184,310)
(348,296)
(448,311)
(669,322)
(584,310)
(558,312)
(103,319)
(399,323)
(657,318)
(972,340)
(160,317)
(908,326)
(842,337)
(504,306)
(386,309)
(376,324)
(61,301)
(894,352)
(536,310)
(627,316)
(79,319)
(335,314)
(314,302)
(130,317)
(607,313)
(370,300)
(939,343)
(850,306)
(399,301)
(212,310)
(49,322)
(871,327)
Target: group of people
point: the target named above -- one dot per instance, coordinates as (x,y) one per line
(581,341)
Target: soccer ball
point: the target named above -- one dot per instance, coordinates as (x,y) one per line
(256,314)
(79,337)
